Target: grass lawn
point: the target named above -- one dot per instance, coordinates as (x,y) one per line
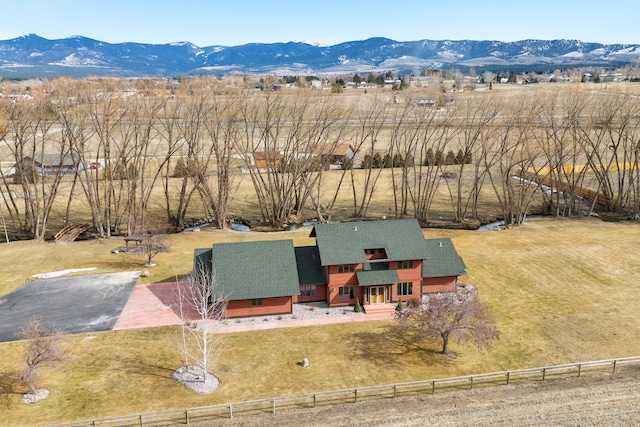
(560,290)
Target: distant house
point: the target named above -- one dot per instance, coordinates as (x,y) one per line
(424,101)
(50,164)
(375,263)
(266,159)
(336,156)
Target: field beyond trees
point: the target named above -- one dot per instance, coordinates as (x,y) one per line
(560,290)
(126,157)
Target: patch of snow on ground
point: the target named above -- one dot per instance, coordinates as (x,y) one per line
(61,272)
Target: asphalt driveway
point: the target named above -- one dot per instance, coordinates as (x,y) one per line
(76,304)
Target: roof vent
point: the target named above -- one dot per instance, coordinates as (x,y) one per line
(355,228)
(440,244)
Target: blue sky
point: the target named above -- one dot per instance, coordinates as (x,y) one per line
(328,22)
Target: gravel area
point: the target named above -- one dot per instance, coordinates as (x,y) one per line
(304,311)
(197,380)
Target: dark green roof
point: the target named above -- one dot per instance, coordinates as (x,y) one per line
(345,243)
(262,269)
(441,259)
(201,263)
(377,277)
(310,272)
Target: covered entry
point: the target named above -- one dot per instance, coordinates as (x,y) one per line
(377,285)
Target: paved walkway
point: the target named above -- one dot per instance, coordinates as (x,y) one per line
(152,306)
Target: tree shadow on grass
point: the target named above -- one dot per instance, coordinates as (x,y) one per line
(132,365)
(9,387)
(390,345)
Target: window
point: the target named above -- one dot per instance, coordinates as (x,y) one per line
(308,290)
(403,265)
(346,268)
(405,289)
(256,302)
(346,292)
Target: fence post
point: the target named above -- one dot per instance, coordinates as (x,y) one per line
(140,420)
(395,391)
(544,372)
(579,369)
(508,374)
(470,383)
(186,416)
(314,400)
(614,366)
(433,387)
(274,407)
(230,411)
(355,395)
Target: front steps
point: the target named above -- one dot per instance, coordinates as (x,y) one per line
(379,308)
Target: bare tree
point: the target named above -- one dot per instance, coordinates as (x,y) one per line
(201,307)
(42,348)
(458,316)
(436,131)
(517,154)
(610,138)
(478,119)
(154,242)
(371,119)
(40,159)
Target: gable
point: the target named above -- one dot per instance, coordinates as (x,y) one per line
(261,269)
(441,259)
(346,243)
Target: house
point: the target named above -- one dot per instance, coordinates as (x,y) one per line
(257,278)
(266,159)
(336,155)
(51,164)
(424,101)
(374,263)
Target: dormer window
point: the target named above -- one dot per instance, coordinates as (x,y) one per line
(375,253)
(346,268)
(404,265)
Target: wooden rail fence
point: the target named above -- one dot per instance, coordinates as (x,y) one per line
(386,391)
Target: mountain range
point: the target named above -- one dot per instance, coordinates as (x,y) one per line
(33,55)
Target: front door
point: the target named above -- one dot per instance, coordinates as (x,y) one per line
(377,295)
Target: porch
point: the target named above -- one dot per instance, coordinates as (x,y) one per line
(377,290)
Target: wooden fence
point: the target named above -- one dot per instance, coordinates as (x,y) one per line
(386,391)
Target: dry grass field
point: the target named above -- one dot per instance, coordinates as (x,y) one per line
(560,291)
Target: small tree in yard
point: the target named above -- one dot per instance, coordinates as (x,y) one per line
(154,241)
(152,244)
(42,348)
(201,307)
(457,316)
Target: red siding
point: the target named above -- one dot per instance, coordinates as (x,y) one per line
(439,284)
(336,280)
(408,275)
(321,295)
(276,305)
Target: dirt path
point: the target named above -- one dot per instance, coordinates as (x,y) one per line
(594,401)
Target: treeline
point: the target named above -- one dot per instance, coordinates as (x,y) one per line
(118,144)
